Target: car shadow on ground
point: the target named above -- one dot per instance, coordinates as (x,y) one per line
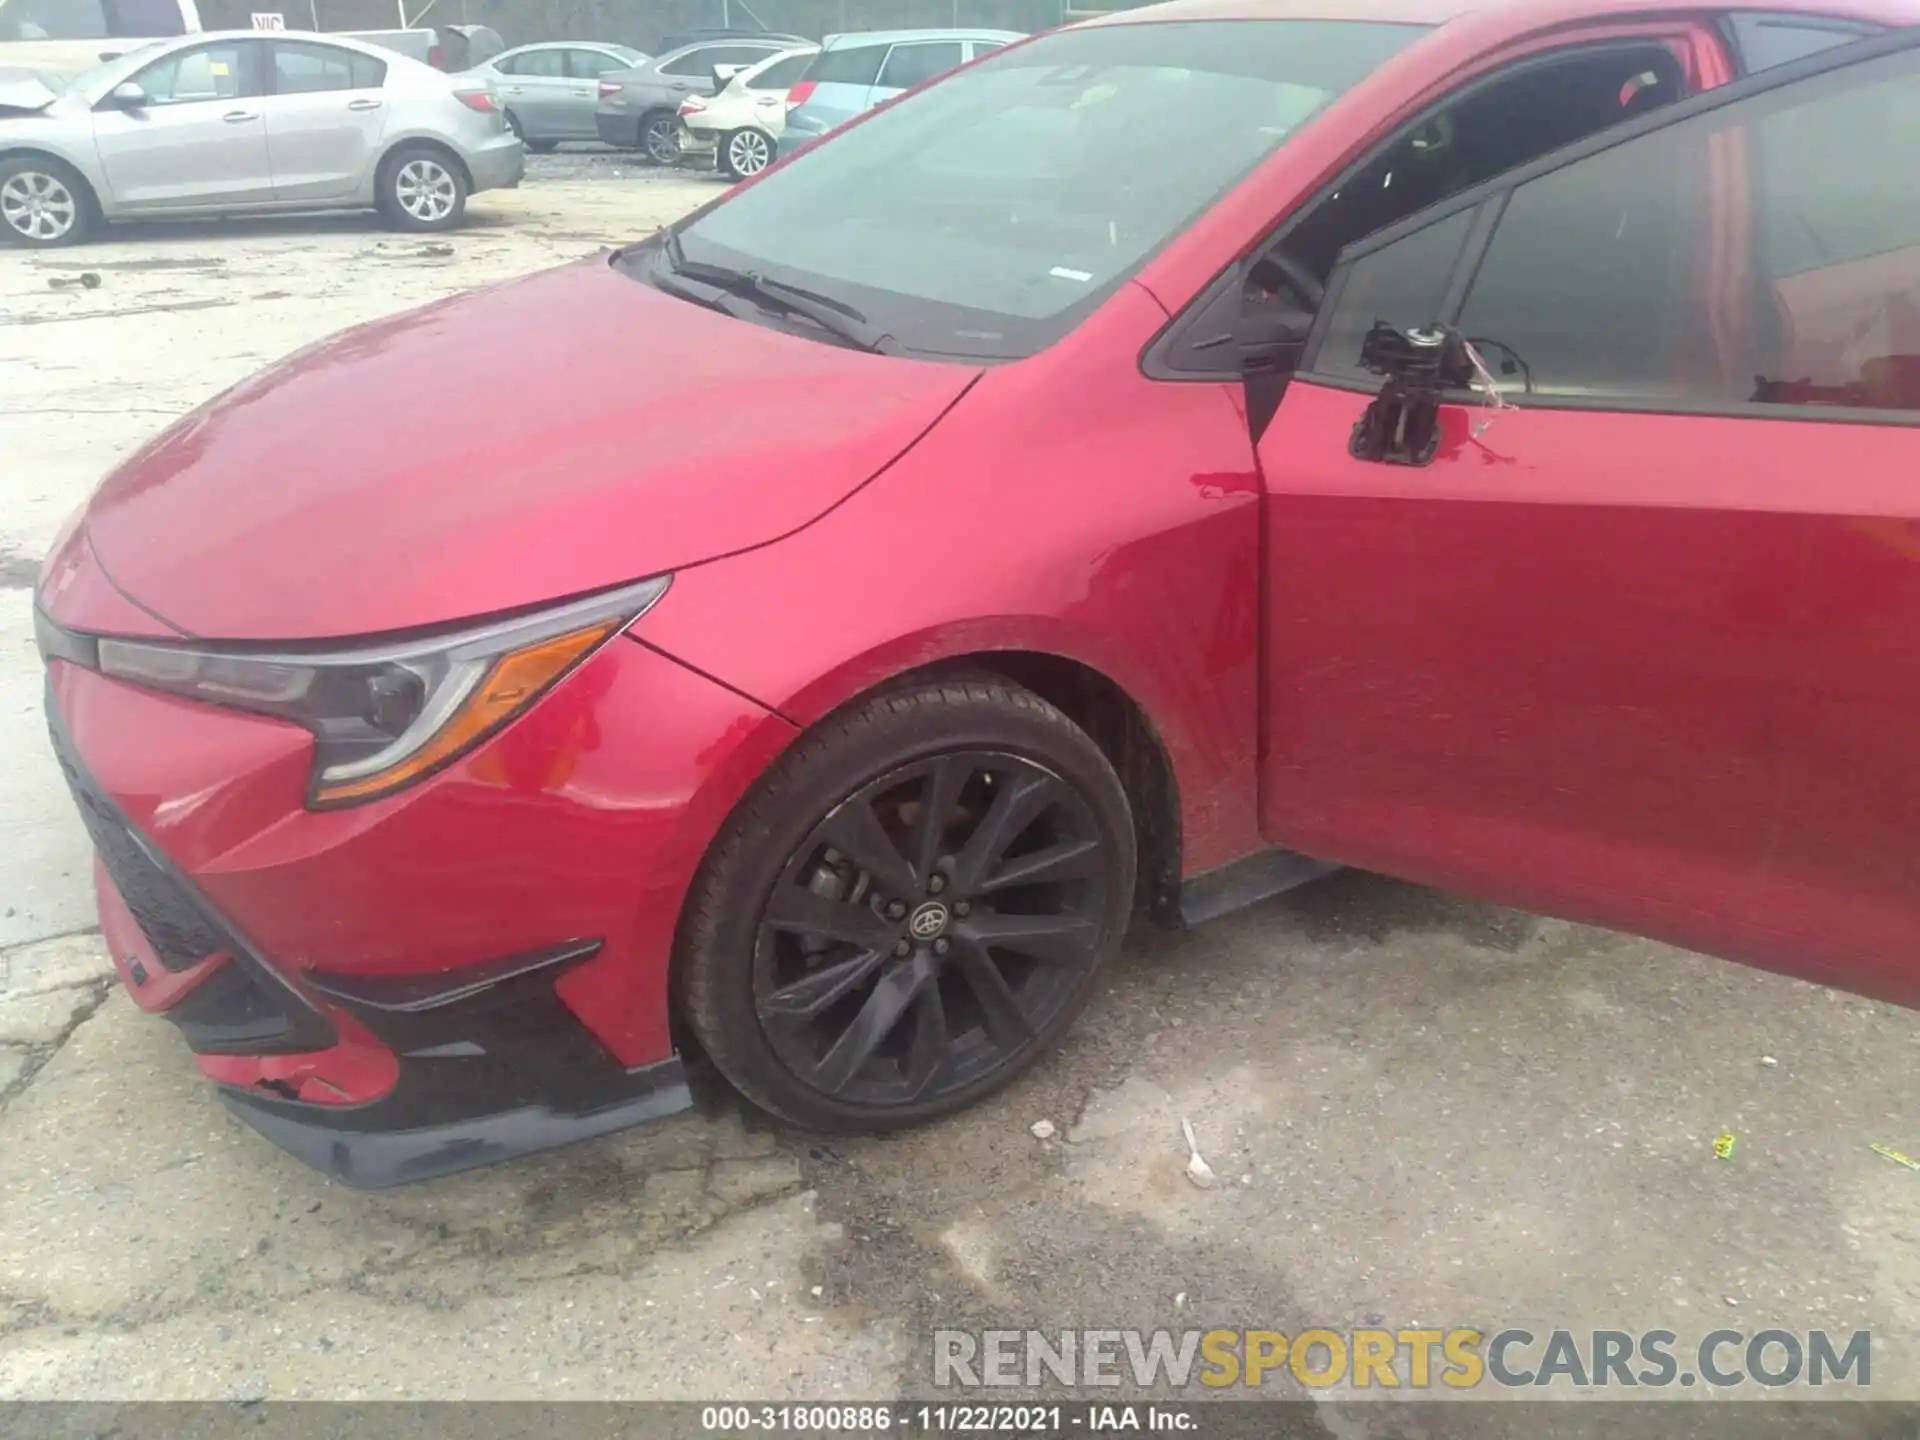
(333,222)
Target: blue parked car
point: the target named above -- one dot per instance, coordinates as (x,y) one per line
(853,73)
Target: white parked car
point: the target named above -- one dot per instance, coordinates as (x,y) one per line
(741,125)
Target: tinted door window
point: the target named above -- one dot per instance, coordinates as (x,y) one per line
(910,65)
(591,64)
(538,65)
(850,65)
(784,74)
(226,70)
(307,69)
(1613,279)
(695,62)
(1838,241)
(1763,41)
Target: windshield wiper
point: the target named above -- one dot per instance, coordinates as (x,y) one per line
(835,317)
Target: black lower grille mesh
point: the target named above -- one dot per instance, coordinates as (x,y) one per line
(180,935)
(244,1007)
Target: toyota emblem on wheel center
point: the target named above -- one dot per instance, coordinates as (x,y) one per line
(928,921)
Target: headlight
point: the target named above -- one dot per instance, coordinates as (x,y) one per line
(386,715)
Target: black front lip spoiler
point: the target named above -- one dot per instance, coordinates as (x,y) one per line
(493,1065)
(381,1159)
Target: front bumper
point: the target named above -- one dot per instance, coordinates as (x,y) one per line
(468,970)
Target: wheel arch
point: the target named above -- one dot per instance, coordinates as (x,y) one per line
(1111,716)
(419,142)
(20,151)
(1108,710)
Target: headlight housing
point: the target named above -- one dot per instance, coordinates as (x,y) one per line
(386,714)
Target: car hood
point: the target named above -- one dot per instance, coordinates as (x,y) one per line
(24,93)
(536,440)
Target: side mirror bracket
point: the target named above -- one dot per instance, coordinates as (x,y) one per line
(1402,424)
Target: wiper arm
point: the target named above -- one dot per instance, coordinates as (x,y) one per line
(833,316)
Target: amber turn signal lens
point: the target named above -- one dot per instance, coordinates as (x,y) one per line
(514,682)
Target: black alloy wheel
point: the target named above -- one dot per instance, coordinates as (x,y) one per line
(923,933)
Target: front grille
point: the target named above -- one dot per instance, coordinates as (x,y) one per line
(179,933)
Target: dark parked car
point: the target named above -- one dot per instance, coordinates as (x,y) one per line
(1476,443)
(639,108)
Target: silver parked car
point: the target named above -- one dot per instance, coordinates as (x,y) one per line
(853,73)
(245,122)
(550,90)
(639,109)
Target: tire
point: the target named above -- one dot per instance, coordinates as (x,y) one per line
(745,152)
(513,124)
(44,203)
(658,137)
(822,993)
(423,188)
(543,147)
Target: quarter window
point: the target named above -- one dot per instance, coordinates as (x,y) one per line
(1403,284)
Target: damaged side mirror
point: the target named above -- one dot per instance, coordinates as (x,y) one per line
(1402,424)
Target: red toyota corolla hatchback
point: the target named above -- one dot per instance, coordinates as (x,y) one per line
(1155,464)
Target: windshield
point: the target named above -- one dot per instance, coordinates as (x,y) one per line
(985,217)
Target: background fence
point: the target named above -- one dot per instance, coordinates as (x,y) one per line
(644,23)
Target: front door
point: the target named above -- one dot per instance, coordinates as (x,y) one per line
(537,91)
(325,115)
(1564,655)
(199,141)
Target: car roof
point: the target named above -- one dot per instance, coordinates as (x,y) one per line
(853,38)
(743,37)
(571,45)
(301,37)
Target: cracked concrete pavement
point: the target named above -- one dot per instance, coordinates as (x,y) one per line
(1423,1111)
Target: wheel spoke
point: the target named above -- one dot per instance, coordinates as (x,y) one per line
(1062,938)
(1006,1022)
(796,909)
(930,1056)
(856,832)
(937,799)
(808,997)
(1013,809)
(891,998)
(1069,860)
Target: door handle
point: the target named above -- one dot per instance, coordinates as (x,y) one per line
(363,105)
(516,90)
(238,117)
